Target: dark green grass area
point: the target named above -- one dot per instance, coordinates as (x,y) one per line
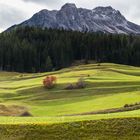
(111,129)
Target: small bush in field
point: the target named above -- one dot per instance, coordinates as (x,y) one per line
(49,82)
(69,87)
(126,105)
(132,105)
(78,85)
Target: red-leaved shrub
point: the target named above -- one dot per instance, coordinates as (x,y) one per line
(49,82)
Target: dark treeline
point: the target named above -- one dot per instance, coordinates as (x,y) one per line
(31,49)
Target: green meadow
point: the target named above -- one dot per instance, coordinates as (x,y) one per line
(108,86)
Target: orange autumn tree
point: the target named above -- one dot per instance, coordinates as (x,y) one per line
(49,82)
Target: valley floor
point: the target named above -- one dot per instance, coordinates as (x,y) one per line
(109,86)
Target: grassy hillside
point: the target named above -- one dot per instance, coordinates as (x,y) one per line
(109,86)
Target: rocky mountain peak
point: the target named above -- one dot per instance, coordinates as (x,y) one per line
(69,17)
(106,11)
(69,6)
(101,8)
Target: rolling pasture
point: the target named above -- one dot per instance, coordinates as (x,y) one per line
(108,86)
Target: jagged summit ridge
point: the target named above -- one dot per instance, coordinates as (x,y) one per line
(69,17)
(68,5)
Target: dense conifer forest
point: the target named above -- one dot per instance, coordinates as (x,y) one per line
(32,49)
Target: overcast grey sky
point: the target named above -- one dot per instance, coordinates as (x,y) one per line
(15,11)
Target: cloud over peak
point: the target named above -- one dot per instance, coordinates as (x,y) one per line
(50,3)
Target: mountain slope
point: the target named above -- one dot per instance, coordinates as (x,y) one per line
(69,17)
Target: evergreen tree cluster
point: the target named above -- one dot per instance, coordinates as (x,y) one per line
(32,49)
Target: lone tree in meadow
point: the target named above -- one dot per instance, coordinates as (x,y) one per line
(49,82)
